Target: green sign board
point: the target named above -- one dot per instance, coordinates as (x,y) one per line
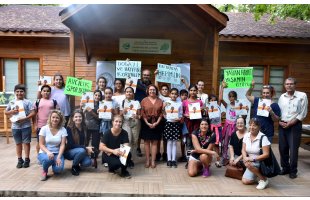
(6,97)
(238,77)
(77,87)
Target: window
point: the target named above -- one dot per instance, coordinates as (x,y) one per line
(20,70)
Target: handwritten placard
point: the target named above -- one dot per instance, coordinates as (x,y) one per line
(77,87)
(125,69)
(168,74)
(238,77)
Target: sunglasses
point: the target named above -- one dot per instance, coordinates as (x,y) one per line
(267,86)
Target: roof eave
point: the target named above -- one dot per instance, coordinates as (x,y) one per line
(34,34)
(266,39)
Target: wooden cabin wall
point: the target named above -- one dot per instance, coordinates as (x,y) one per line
(295,57)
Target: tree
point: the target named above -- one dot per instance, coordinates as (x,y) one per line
(298,11)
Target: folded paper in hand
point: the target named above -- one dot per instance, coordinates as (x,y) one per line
(126,150)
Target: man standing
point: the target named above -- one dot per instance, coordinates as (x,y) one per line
(140,95)
(293,105)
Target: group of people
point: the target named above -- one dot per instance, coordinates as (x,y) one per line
(81,135)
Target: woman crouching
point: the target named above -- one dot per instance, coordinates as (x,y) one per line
(76,149)
(201,157)
(110,145)
(52,141)
(251,155)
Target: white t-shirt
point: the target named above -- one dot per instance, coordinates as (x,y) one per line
(52,142)
(204,98)
(252,148)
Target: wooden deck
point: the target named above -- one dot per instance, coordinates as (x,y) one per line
(161,181)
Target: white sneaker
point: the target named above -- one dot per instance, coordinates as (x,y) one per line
(105,165)
(262,184)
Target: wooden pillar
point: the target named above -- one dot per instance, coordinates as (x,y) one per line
(215,70)
(72,63)
(72,54)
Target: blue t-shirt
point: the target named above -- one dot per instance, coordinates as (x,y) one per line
(266,122)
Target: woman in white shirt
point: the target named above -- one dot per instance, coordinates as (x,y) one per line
(252,157)
(52,140)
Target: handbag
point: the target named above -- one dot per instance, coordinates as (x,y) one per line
(235,172)
(270,166)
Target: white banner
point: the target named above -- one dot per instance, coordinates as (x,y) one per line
(144,46)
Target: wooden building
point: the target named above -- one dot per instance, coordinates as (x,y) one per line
(38,40)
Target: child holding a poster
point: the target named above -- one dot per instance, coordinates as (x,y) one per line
(107,109)
(214,112)
(173,112)
(131,110)
(21,129)
(93,122)
(230,122)
(191,124)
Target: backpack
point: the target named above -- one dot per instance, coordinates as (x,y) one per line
(38,102)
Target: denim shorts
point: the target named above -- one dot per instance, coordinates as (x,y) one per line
(22,135)
(250,175)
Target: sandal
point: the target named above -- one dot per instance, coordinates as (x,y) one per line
(218,164)
(147,165)
(153,165)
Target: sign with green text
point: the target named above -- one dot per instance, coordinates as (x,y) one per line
(238,77)
(77,87)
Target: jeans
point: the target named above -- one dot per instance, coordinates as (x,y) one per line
(46,162)
(78,155)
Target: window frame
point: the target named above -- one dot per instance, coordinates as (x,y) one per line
(21,66)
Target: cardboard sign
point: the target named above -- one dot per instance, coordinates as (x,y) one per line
(131,82)
(87,100)
(77,87)
(263,105)
(6,97)
(194,111)
(213,110)
(45,80)
(238,77)
(105,110)
(172,110)
(18,105)
(125,69)
(168,74)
